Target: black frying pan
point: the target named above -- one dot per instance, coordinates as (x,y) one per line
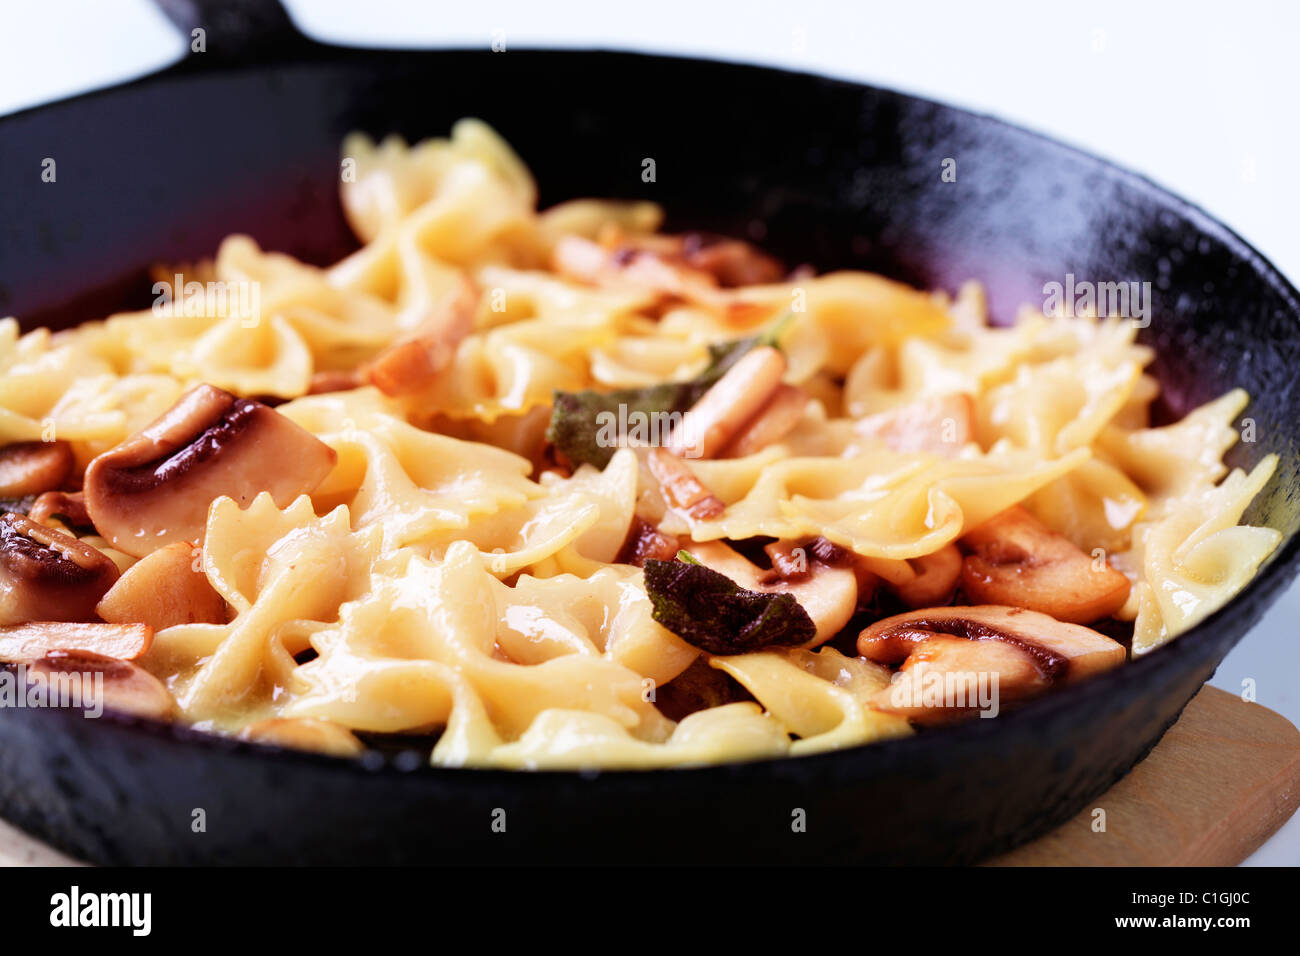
(245,137)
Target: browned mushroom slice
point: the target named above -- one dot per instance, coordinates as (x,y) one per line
(794,561)
(920,582)
(305,733)
(645,542)
(46,575)
(630,267)
(123,687)
(163,589)
(732,262)
(1028,652)
(31,467)
(946,679)
(1016,559)
(729,262)
(941,426)
(412,365)
(322,383)
(721,412)
(25,642)
(1066,652)
(154,488)
(772,423)
(1047,650)
(791,560)
(682,490)
(70,506)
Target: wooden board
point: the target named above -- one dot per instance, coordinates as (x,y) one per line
(18,849)
(1222,781)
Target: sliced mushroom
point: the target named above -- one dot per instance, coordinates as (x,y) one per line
(794,561)
(828,593)
(322,383)
(25,642)
(163,589)
(68,505)
(46,575)
(31,467)
(728,262)
(645,542)
(945,679)
(732,262)
(920,582)
(305,733)
(773,422)
(1027,650)
(730,402)
(828,552)
(1015,559)
(682,490)
(1065,652)
(154,488)
(941,425)
(630,267)
(123,687)
(790,560)
(412,365)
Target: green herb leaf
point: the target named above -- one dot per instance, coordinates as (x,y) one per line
(577,417)
(712,612)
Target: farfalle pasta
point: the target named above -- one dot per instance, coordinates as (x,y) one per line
(555,489)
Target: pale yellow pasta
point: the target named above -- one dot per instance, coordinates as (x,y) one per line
(876,502)
(1195,557)
(447,578)
(820,696)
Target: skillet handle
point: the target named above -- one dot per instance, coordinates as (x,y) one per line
(234,30)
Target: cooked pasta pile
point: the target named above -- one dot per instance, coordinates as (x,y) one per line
(457,573)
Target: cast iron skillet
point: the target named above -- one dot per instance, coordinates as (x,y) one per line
(245,137)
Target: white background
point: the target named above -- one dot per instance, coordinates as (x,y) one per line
(1199,96)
